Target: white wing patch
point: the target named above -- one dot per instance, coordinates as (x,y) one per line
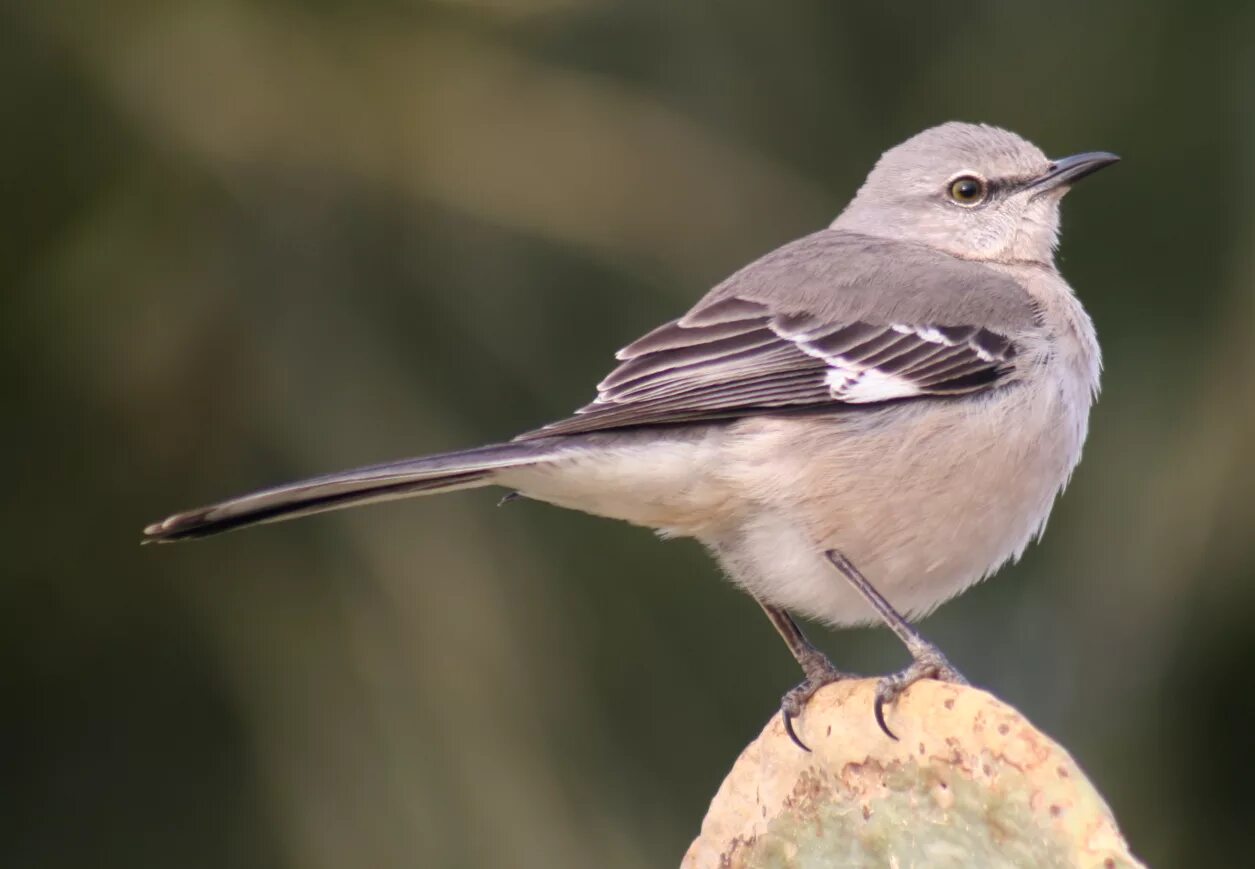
(735,356)
(928,333)
(852,381)
(867,385)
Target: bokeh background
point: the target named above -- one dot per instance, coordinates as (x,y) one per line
(242,242)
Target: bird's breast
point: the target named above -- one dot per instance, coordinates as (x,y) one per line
(925,499)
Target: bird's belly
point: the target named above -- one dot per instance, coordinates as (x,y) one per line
(923,512)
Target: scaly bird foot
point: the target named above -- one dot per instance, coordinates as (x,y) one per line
(929,663)
(819,672)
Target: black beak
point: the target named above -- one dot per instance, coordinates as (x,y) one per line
(1066,170)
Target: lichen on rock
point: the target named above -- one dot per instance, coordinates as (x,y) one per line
(969,783)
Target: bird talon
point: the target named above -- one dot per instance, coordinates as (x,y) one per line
(929,664)
(819,672)
(788,717)
(878,708)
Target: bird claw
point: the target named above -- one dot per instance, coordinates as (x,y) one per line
(819,672)
(929,663)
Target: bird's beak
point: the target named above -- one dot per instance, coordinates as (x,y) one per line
(1066,170)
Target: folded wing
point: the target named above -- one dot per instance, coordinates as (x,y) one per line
(736,356)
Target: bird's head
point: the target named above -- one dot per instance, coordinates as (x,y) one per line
(972,190)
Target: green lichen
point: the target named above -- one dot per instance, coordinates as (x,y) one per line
(910,815)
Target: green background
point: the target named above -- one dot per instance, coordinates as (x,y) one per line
(243,242)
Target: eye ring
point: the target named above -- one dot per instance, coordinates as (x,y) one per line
(967,190)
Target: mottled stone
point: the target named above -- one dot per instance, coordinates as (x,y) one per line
(969,783)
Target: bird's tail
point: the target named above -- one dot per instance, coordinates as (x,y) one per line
(404,479)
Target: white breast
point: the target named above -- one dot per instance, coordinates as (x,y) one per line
(925,505)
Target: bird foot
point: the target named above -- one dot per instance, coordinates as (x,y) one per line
(819,672)
(929,663)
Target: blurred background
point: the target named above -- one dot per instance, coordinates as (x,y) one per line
(244,242)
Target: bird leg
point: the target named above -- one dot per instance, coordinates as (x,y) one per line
(815,665)
(928,663)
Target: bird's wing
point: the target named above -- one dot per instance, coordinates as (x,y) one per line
(833,320)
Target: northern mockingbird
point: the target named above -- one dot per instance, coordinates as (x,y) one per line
(858,426)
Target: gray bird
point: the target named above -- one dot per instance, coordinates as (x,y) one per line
(858,426)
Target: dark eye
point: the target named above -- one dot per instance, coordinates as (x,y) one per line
(968,190)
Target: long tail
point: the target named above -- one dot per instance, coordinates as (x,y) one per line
(423,476)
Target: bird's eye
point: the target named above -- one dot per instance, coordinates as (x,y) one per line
(968,190)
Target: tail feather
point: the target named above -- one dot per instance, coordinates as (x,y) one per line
(407,478)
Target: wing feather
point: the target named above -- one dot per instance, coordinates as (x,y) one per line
(796,331)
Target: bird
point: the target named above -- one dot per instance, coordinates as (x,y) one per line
(858,426)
